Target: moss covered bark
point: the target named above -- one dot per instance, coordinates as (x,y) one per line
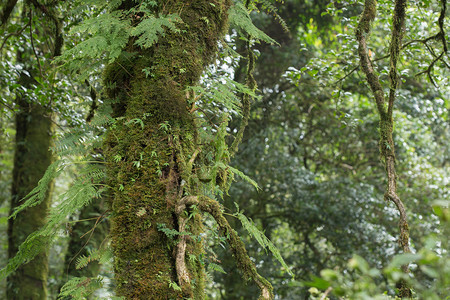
(146,150)
(385,110)
(32,157)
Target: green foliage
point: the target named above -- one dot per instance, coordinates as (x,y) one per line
(222,92)
(81,288)
(148,29)
(364,282)
(271,9)
(87,187)
(102,255)
(216,268)
(171,233)
(107,34)
(251,228)
(239,17)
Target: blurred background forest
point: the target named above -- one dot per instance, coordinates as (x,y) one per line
(311,145)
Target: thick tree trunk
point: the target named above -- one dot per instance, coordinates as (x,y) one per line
(32,157)
(145,151)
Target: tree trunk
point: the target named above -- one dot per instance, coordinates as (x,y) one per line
(145,151)
(34,132)
(32,157)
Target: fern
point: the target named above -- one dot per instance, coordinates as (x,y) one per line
(239,17)
(171,233)
(251,228)
(83,190)
(270,8)
(216,267)
(102,255)
(109,33)
(238,173)
(79,288)
(37,195)
(148,29)
(223,93)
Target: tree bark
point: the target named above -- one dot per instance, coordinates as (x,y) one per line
(34,133)
(146,162)
(32,157)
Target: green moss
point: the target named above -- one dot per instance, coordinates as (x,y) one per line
(145,192)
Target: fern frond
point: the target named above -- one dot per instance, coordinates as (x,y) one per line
(239,17)
(251,228)
(102,255)
(37,195)
(80,194)
(149,29)
(216,267)
(79,288)
(238,173)
(270,8)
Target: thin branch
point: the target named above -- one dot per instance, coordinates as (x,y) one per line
(386,120)
(327,291)
(12,34)
(7,106)
(59,40)
(430,68)
(32,44)
(251,83)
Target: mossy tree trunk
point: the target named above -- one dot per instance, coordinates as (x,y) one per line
(34,133)
(147,148)
(32,157)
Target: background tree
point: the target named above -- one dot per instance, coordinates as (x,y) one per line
(33,135)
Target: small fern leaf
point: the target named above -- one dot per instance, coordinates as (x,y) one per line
(79,288)
(216,267)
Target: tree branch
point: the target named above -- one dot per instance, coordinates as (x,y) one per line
(32,44)
(7,10)
(386,115)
